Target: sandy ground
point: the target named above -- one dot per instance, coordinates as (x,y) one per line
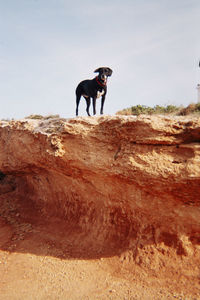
(46,258)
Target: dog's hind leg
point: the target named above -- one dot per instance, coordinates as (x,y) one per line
(94,105)
(78,97)
(88,105)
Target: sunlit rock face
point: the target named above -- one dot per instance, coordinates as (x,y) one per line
(130,185)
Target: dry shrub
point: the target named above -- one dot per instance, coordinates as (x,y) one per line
(190,109)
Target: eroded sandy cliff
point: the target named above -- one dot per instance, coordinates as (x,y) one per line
(128,186)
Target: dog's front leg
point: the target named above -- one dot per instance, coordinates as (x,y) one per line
(88,105)
(102,104)
(94,105)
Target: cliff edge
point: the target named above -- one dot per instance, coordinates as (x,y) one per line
(123,186)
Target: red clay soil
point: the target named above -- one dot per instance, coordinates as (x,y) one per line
(48,258)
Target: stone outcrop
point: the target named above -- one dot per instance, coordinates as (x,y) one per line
(130,184)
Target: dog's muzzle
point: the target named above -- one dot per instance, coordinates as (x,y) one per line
(104,78)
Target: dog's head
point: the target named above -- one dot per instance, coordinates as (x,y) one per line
(104,72)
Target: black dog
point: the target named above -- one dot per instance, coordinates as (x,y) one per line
(94,89)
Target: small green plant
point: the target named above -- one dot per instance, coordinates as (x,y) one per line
(141,109)
(165,110)
(157,109)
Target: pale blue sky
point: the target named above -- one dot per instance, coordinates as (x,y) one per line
(48,46)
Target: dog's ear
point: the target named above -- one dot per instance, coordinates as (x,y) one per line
(98,70)
(109,71)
